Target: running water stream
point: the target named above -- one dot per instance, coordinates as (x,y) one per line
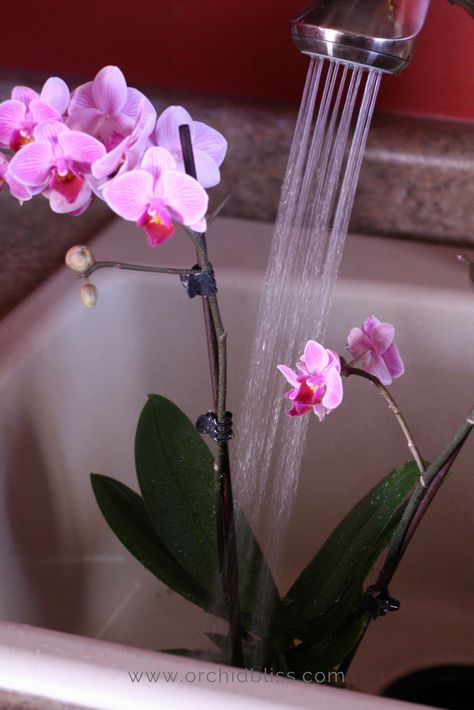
(311,227)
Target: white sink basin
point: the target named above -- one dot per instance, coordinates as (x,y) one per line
(73,382)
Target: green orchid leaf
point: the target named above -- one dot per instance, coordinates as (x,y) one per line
(175,471)
(352,602)
(126,515)
(307,660)
(330,588)
(257,581)
(220,640)
(175,474)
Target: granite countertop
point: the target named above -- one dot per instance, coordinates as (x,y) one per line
(18,701)
(417,181)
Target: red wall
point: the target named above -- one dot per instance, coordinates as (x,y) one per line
(239,47)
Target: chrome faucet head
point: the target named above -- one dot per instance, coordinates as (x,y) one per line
(378,34)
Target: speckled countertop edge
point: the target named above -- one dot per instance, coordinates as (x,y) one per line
(18,701)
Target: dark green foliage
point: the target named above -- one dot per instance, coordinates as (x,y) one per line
(171,530)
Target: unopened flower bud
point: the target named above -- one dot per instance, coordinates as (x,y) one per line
(79,258)
(89,295)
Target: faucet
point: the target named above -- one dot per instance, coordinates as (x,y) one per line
(378,34)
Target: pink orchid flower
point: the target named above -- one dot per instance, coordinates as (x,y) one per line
(106,108)
(26,109)
(57,163)
(209,146)
(319,384)
(16,188)
(373,350)
(155,195)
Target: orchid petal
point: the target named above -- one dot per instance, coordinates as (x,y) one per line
(199,227)
(109,90)
(393,361)
(81,98)
(60,204)
(108,163)
(209,141)
(290,375)
(369,324)
(97,185)
(12,115)
(382,336)
(55,92)
(158,161)
(81,148)
(375,365)
(315,357)
(87,120)
(32,164)
(298,410)
(358,343)
(185,196)
(17,189)
(49,131)
(305,394)
(158,232)
(129,194)
(135,99)
(24,94)
(41,111)
(334,360)
(119,125)
(320,411)
(207,172)
(333,396)
(167,127)
(77,211)
(3,164)
(68,184)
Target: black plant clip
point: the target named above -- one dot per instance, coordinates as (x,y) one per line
(218,431)
(378,603)
(202,283)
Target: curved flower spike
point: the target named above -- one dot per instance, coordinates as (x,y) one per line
(374,351)
(209,146)
(318,386)
(155,195)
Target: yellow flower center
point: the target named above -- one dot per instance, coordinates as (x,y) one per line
(68,177)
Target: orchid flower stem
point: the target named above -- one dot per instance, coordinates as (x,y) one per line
(347,370)
(136,267)
(420,501)
(217,350)
(415,509)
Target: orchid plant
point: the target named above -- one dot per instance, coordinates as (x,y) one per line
(105,141)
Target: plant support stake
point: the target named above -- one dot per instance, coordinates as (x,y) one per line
(217,351)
